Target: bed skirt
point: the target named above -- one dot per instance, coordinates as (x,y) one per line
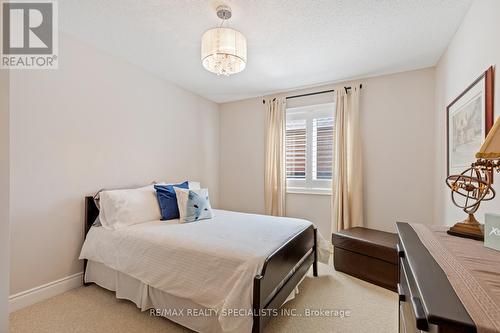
(179,310)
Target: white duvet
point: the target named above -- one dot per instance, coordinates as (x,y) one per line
(210,262)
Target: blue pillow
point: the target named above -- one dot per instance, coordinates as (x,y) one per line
(168,200)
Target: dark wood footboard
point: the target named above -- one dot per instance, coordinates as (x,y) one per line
(281,273)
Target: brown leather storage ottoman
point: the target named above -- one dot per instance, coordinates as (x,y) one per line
(367,254)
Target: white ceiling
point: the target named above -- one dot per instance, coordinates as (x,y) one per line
(291,43)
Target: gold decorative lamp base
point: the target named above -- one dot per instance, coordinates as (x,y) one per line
(469,228)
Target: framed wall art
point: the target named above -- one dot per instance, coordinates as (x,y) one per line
(468,119)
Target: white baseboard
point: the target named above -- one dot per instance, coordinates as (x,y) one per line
(43,292)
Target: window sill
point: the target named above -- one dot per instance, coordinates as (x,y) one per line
(315,191)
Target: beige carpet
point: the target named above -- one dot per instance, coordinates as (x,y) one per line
(93,309)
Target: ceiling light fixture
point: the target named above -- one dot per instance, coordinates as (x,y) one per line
(223,50)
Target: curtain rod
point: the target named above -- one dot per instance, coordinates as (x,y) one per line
(313,93)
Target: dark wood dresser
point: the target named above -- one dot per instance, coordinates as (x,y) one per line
(427,301)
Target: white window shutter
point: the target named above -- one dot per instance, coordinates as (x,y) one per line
(296,142)
(309,148)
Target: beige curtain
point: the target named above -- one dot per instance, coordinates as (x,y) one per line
(347,182)
(275,177)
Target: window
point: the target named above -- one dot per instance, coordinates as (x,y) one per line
(309,148)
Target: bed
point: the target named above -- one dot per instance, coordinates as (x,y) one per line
(230,264)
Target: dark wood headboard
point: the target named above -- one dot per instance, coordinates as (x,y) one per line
(91,213)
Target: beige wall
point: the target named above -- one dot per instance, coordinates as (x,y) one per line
(398,137)
(397,115)
(4,198)
(242,144)
(95,122)
(473,49)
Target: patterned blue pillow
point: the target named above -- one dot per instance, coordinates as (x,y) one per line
(167,200)
(194,205)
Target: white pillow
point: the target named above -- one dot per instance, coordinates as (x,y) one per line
(193,204)
(194,185)
(191,184)
(121,208)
